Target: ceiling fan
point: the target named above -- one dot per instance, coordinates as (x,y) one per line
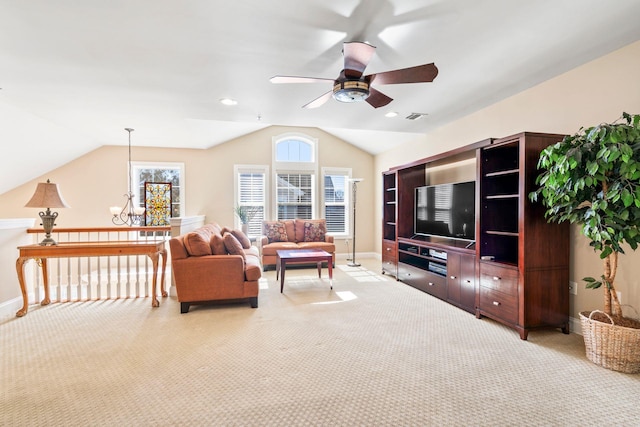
(352,86)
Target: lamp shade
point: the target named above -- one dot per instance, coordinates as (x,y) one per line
(47,195)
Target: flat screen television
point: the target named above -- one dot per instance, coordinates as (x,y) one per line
(446,210)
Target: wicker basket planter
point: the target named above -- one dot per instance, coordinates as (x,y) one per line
(611,346)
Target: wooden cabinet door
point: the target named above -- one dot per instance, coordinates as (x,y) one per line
(468,282)
(453,278)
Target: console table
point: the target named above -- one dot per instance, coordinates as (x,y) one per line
(152,248)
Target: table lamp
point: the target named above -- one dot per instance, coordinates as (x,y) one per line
(48,196)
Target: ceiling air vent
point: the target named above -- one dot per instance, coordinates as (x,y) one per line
(415,116)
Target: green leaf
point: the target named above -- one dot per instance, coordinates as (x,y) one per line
(627,198)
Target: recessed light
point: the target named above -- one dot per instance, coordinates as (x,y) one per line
(391,114)
(228,101)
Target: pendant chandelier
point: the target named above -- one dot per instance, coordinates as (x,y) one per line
(130,214)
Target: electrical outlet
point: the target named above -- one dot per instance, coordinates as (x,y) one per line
(573,288)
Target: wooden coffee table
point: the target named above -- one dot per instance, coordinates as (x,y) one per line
(299,256)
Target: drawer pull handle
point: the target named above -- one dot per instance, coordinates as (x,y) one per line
(468,281)
(496,303)
(496,278)
(388,249)
(430,283)
(452,277)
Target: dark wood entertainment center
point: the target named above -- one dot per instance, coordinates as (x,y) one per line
(517,270)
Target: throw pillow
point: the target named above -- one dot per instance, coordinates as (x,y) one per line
(232,245)
(217,245)
(275,231)
(196,243)
(242,238)
(314,231)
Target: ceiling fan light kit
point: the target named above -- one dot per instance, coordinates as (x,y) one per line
(351,86)
(350,90)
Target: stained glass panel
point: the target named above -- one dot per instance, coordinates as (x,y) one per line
(157,203)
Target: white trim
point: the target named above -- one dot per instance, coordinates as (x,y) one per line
(328,170)
(10,307)
(313,142)
(260,169)
(13,223)
(295,167)
(135,185)
(184,224)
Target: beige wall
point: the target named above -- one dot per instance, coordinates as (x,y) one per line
(97,180)
(596,92)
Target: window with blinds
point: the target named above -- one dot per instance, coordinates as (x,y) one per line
(252,195)
(336,202)
(294,195)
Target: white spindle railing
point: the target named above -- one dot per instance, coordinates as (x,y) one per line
(94,278)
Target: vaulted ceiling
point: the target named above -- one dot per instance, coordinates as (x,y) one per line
(75,73)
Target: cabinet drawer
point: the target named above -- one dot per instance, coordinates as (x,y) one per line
(389,250)
(499,278)
(498,304)
(424,280)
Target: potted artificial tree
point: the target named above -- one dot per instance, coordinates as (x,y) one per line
(592,179)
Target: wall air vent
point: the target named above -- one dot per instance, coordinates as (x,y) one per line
(415,116)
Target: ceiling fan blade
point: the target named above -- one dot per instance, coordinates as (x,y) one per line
(419,74)
(295,79)
(356,58)
(319,100)
(377,99)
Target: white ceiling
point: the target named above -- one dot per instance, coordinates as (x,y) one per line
(74,73)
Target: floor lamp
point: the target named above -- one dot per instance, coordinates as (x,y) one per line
(354,190)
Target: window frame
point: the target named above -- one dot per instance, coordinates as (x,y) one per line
(283,167)
(347,173)
(138,198)
(242,169)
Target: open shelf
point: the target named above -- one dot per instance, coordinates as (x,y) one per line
(516,272)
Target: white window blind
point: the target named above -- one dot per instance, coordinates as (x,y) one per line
(336,202)
(252,194)
(294,195)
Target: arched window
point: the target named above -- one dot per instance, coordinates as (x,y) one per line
(295,172)
(296,188)
(294,149)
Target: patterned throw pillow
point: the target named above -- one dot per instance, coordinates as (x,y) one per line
(275,232)
(233,246)
(314,231)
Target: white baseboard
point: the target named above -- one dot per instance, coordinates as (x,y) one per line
(10,307)
(359,255)
(574,326)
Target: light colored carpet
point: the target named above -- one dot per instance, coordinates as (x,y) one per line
(372,352)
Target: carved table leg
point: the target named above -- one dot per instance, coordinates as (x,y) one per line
(25,298)
(163,291)
(45,281)
(154,281)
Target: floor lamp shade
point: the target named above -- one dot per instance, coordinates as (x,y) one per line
(47,196)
